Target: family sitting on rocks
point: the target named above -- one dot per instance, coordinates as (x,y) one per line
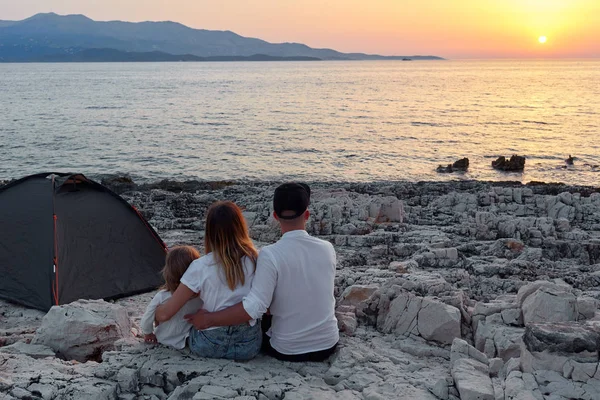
(216,302)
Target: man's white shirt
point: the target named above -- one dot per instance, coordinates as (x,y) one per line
(295,279)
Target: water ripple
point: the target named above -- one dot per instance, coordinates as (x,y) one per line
(327,121)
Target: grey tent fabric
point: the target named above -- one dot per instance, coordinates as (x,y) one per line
(26,250)
(64,237)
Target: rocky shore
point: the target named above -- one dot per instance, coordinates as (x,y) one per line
(458,290)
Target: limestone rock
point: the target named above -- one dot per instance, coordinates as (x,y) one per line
(387,209)
(586,307)
(564,338)
(550,304)
(438,321)
(561,347)
(581,372)
(517,388)
(346,317)
(461,349)
(398,391)
(31,350)
(496,365)
(496,340)
(472,380)
(554,386)
(429,318)
(403,267)
(498,385)
(84,329)
(514,364)
(500,311)
(357,293)
(210,392)
(470,245)
(527,290)
(438,258)
(440,389)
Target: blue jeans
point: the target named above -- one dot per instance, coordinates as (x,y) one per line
(240,342)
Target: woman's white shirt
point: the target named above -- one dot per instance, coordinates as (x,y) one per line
(206,276)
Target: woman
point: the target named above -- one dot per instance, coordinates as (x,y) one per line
(221,278)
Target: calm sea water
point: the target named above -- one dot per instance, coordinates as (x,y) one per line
(345,121)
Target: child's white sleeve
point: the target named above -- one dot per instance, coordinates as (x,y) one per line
(147,321)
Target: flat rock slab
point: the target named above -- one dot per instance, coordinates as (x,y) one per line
(31,350)
(461,349)
(472,380)
(563,338)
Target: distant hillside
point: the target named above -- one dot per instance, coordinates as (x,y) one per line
(112,55)
(50,37)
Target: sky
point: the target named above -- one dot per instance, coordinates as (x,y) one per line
(448,28)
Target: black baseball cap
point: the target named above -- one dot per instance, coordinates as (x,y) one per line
(291,196)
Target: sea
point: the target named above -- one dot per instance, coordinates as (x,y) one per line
(360,121)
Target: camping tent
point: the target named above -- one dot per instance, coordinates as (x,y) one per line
(64,237)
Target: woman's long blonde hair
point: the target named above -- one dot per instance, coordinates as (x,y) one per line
(177,262)
(227,237)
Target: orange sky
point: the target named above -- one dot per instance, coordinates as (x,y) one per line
(449,28)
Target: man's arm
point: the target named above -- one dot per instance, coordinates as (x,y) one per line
(253,306)
(234,315)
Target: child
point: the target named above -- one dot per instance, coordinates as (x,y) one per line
(175,331)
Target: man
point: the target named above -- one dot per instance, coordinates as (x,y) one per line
(294,279)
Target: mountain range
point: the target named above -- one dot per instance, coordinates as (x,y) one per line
(51,37)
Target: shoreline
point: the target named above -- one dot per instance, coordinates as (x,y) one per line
(124,182)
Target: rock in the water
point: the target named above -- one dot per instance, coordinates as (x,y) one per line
(84,329)
(516,163)
(445,170)
(459,165)
(472,380)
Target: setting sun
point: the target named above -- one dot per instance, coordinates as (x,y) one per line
(542,39)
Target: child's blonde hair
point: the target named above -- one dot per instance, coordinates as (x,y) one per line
(177,262)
